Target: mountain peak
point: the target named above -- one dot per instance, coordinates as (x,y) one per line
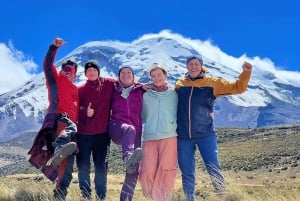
(271,96)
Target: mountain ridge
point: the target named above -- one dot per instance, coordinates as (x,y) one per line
(269,99)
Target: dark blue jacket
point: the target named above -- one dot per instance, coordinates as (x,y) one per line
(196,101)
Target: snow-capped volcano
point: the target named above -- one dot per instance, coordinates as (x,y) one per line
(273,96)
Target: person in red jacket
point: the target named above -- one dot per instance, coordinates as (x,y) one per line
(52,149)
(94,113)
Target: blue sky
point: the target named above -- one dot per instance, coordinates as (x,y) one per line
(268,29)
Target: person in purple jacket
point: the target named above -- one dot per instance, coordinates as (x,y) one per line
(125,126)
(92,138)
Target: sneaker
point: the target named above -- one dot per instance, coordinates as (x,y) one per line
(131,161)
(62,152)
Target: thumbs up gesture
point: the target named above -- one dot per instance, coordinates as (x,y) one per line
(90,111)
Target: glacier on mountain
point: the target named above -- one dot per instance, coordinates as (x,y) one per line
(272,97)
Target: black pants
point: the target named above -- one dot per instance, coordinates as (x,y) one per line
(97,146)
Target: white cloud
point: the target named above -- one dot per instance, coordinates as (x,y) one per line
(211,52)
(15,67)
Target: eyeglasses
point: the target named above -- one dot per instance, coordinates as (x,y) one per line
(69,68)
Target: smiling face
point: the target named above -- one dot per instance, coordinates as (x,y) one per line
(194,68)
(69,72)
(126,76)
(92,74)
(158,77)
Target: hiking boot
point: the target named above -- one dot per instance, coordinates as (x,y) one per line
(61,152)
(132,160)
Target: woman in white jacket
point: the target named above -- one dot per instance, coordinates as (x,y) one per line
(159,114)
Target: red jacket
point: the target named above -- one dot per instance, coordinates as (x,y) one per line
(63,98)
(62,93)
(99,94)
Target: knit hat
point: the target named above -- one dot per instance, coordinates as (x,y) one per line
(69,62)
(92,64)
(199,58)
(123,68)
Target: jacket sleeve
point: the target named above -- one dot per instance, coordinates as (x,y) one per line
(178,84)
(223,87)
(51,76)
(48,65)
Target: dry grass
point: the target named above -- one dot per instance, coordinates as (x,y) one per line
(259,165)
(242,186)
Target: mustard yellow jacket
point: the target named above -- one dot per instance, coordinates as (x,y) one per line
(196,99)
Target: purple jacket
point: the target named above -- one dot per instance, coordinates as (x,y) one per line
(127,110)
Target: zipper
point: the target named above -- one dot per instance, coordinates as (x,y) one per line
(189,112)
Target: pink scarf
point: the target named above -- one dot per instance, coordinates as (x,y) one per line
(164,87)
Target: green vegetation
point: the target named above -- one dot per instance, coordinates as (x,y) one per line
(259,165)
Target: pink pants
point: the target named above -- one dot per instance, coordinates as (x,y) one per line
(158,168)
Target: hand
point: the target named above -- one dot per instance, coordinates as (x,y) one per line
(58,42)
(90,111)
(63,115)
(247,66)
(147,86)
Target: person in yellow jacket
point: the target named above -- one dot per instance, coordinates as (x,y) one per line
(196,97)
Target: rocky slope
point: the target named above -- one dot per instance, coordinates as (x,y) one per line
(269,149)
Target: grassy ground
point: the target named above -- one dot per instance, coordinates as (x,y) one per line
(240,186)
(259,165)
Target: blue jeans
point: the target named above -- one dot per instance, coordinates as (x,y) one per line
(186,159)
(97,146)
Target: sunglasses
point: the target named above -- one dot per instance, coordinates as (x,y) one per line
(69,68)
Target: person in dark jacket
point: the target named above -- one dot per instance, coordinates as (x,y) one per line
(196,97)
(125,126)
(52,149)
(94,113)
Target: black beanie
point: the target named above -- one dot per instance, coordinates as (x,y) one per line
(92,64)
